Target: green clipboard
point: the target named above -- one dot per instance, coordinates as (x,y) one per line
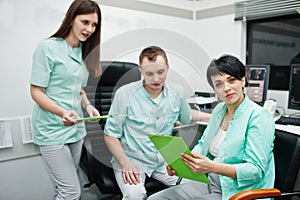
(99,117)
(170,147)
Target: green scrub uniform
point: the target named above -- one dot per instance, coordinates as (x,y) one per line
(61,71)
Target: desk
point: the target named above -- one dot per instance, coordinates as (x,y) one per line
(200,103)
(288,128)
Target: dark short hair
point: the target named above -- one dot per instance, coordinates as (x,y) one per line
(227,64)
(152,52)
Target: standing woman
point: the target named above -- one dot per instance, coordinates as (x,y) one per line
(60,69)
(235,150)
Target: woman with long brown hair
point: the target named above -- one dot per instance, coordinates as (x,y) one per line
(60,70)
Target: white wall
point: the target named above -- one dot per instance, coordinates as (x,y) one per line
(190,44)
(25,179)
(23,24)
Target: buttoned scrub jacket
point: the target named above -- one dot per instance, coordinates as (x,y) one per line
(61,71)
(145,116)
(248,146)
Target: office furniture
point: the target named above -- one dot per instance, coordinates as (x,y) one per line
(203,101)
(95,160)
(115,74)
(287,163)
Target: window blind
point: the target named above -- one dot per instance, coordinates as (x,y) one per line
(258,9)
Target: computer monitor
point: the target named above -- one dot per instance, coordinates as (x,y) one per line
(282,73)
(294,87)
(257,80)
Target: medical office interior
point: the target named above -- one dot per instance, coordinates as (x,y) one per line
(192,32)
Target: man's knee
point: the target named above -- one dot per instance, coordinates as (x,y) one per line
(136,192)
(134,196)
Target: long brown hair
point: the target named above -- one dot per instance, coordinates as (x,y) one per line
(90,47)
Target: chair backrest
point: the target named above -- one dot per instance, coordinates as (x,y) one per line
(95,160)
(115,74)
(287,160)
(100,92)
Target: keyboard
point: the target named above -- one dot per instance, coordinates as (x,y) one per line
(288,120)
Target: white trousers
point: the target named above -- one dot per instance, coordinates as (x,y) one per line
(138,191)
(62,162)
(192,190)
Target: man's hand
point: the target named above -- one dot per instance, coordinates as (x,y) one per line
(131,173)
(170,171)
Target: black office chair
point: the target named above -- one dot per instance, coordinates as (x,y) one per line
(287,163)
(95,160)
(115,74)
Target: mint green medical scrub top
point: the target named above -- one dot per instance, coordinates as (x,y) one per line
(61,71)
(248,146)
(145,116)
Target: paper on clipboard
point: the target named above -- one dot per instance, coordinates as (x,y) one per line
(99,117)
(170,147)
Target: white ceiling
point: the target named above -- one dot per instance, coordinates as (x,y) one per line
(188,9)
(192,5)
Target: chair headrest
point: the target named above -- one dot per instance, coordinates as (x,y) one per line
(112,72)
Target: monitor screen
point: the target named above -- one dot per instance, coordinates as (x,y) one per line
(294,88)
(282,73)
(257,77)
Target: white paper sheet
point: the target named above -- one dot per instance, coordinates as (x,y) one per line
(26,129)
(5,134)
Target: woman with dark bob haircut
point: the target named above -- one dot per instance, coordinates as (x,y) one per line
(235,150)
(60,70)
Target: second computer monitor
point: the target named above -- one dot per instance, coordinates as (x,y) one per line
(294,87)
(257,77)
